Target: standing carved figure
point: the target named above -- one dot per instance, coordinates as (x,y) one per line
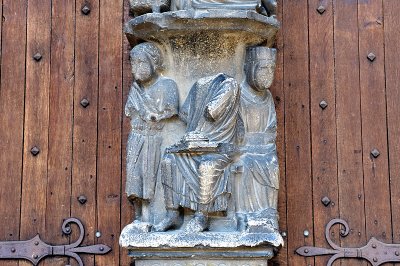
(152,100)
(256,189)
(193,172)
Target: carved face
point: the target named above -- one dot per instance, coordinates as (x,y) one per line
(260,74)
(142,68)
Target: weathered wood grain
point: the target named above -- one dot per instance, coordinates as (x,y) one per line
(392,69)
(297,129)
(60,123)
(84,171)
(35,175)
(323,121)
(374,126)
(348,120)
(109,128)
(13,45)
(322,152)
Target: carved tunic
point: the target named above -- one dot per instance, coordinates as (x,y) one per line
(199,181)
(147,109)
(256,189)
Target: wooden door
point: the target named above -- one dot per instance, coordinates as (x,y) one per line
(324,152)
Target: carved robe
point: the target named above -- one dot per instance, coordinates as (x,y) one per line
(147,109)
(257,187)
(198,181)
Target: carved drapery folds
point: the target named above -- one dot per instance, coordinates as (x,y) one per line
(202,166)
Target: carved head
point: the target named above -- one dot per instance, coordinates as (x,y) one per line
(260,67)
(146,61)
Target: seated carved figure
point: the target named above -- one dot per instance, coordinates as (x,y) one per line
(193,171)
(257,180)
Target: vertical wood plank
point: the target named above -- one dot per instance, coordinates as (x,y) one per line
(36,120)
(60,123)
(278,92)
(392,67)
(374,127)
(84,172)
(323,121)
(297,129)
(126,206)
(348,120)
(13,47)
(109,128)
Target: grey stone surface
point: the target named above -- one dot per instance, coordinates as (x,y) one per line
(201,263)
(180,239)
(202,166)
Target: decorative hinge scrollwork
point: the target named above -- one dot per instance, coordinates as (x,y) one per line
(35,249)
(376,252)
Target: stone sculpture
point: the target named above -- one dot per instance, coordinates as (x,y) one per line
(152,100)
(194,170)
(202,166)
(267,7)
(140,7)
(257,179)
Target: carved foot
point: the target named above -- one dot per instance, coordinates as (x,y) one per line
(197,224)
(139,227)
(170,221)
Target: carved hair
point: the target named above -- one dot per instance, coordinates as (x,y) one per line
(258,53)
(152,53)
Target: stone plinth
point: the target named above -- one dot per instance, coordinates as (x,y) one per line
(192,262)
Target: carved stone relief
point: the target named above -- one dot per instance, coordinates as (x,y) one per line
(202,166)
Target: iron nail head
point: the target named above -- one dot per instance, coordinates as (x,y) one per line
(375,153)
(326,201)
(98,234)
(37,57)
(321,9)
(86,10)
(85,102)
(323,104)
(35,151)
(371,57)
(306,233)
(68,230)
(82,199)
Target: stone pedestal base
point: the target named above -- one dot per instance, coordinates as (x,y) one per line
(188,262)
(256,256)
(244,256)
